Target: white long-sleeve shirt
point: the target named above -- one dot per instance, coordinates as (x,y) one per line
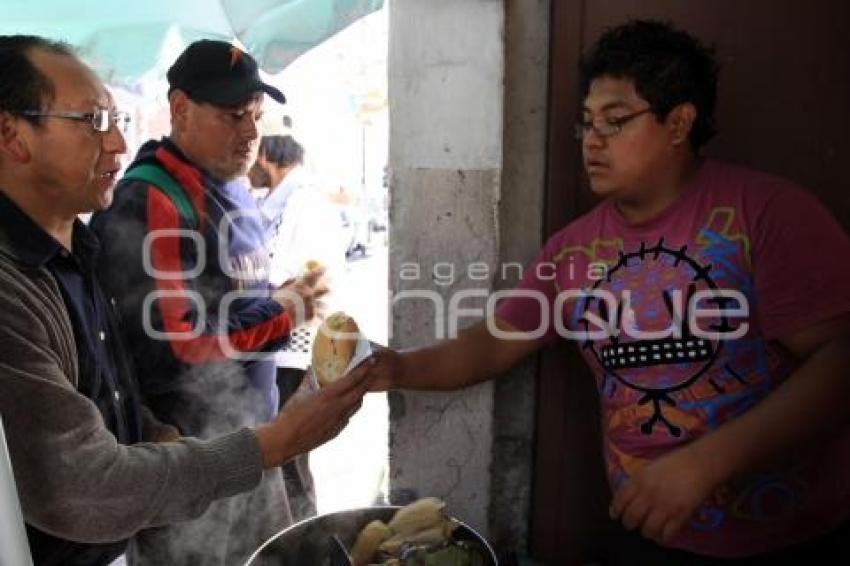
(302,225)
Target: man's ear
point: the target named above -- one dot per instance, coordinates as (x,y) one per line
(178,102)
(13,145)
(681,121)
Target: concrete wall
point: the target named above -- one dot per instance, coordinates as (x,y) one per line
(467,131)
(446,71)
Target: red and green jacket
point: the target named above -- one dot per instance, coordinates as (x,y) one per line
(184,260)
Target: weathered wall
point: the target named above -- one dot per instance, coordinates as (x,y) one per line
(467,91)
(445,85)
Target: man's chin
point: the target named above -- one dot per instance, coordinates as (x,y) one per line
(603,189)
(227,174)
(102,202)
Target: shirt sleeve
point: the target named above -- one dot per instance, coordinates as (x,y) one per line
(528,307)
(801,262)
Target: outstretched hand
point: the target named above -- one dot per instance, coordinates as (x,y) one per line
(308,422)
(300,296)
(385,369)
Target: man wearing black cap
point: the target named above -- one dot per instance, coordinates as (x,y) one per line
(185,262)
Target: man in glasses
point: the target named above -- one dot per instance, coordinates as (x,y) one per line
(101,119)
(698,295)
(79,439)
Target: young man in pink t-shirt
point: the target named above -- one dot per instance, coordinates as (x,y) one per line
(709,301)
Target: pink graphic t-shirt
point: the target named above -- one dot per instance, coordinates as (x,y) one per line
(679,320)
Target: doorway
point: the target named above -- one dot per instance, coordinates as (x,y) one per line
(782,108)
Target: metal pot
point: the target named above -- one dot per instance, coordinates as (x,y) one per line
(310,542)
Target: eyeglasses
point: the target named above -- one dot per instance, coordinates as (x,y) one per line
(606,127)
(101,119)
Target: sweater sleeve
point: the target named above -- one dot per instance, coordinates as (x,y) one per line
(74,479)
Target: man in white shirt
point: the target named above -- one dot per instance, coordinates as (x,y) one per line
(302,226)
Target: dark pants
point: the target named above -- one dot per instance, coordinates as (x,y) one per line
(631,549)
(296,472)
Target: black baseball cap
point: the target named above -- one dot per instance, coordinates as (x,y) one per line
(218,73)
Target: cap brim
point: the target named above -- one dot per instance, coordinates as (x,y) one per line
(234,93)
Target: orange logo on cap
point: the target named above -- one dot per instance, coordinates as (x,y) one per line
(235,56)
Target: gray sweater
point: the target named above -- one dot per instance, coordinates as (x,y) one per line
(75,481)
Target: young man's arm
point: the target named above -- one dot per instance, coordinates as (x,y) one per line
(802,305)
(809,408)
(474,356)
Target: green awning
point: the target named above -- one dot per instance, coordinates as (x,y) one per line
(125,41)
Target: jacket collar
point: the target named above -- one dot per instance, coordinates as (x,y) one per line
(172,158)
(28,243)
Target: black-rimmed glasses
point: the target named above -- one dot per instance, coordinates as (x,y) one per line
(101,119)
(606,127)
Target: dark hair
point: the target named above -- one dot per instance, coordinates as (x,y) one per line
(667,66)
(282,150)
(22,85)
